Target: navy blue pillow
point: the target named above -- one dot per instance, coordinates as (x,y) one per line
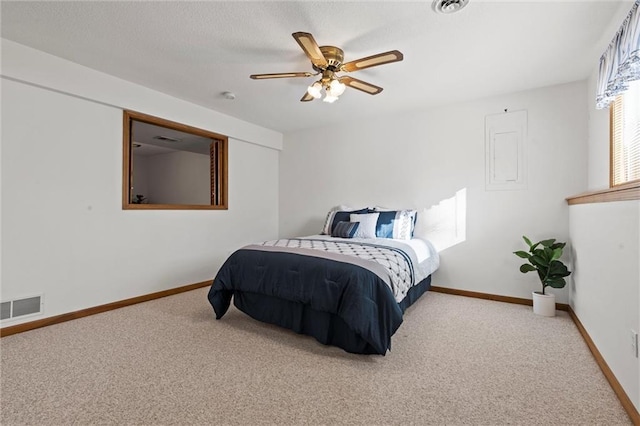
(384,227)
(345,229)
(344,216)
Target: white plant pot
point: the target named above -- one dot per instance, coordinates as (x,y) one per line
(544,304)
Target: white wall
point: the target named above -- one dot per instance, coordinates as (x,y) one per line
(418,158)
(605,291)
(64,233)
(140,173)
(32,66)
(606,283)
(598,140)
(179,177)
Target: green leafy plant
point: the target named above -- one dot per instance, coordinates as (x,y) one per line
(543,258)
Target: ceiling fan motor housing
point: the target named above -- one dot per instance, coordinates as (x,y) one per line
(333,55)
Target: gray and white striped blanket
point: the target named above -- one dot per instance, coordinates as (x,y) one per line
(396,266)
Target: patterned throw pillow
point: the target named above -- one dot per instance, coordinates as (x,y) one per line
(345,229)
(334,216)
(398,224)
(367,228)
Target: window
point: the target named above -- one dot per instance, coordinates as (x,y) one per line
(169,165)
(625,136)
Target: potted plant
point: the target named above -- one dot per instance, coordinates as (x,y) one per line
(544,258)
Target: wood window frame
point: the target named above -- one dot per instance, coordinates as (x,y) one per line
(624,192)
(218,170)
(628,191)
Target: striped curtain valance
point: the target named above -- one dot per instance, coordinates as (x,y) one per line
(620,63)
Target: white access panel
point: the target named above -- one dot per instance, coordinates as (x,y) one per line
(505,146)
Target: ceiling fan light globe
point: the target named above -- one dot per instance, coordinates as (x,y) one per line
(330,99)
(336,88)
(315,90)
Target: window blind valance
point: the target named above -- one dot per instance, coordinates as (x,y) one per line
(620,63)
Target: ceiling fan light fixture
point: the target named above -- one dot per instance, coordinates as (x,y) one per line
(336,88)
(327,61)
(330,99)
(315,90)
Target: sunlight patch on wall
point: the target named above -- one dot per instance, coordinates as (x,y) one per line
(444,224)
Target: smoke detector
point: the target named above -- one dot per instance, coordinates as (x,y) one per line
(448,7)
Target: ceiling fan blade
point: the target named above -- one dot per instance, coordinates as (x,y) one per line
(372,61)
(311,49)
(280,75)
(307,97)
(361,85)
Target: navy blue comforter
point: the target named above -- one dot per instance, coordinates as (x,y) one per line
(286,281)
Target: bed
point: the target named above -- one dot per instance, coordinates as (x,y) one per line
(348,292)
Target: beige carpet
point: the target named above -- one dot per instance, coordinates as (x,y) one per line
(455,360)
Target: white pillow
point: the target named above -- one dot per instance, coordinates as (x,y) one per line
(423,227)
(367,228)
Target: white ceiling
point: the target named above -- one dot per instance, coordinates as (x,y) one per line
(197,50)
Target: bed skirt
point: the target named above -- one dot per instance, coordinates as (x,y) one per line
(325,327)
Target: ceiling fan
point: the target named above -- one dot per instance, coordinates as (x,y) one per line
(327,61)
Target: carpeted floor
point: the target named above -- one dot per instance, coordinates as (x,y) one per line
(455,360)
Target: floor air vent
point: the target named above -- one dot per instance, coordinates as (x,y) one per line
(20,307)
